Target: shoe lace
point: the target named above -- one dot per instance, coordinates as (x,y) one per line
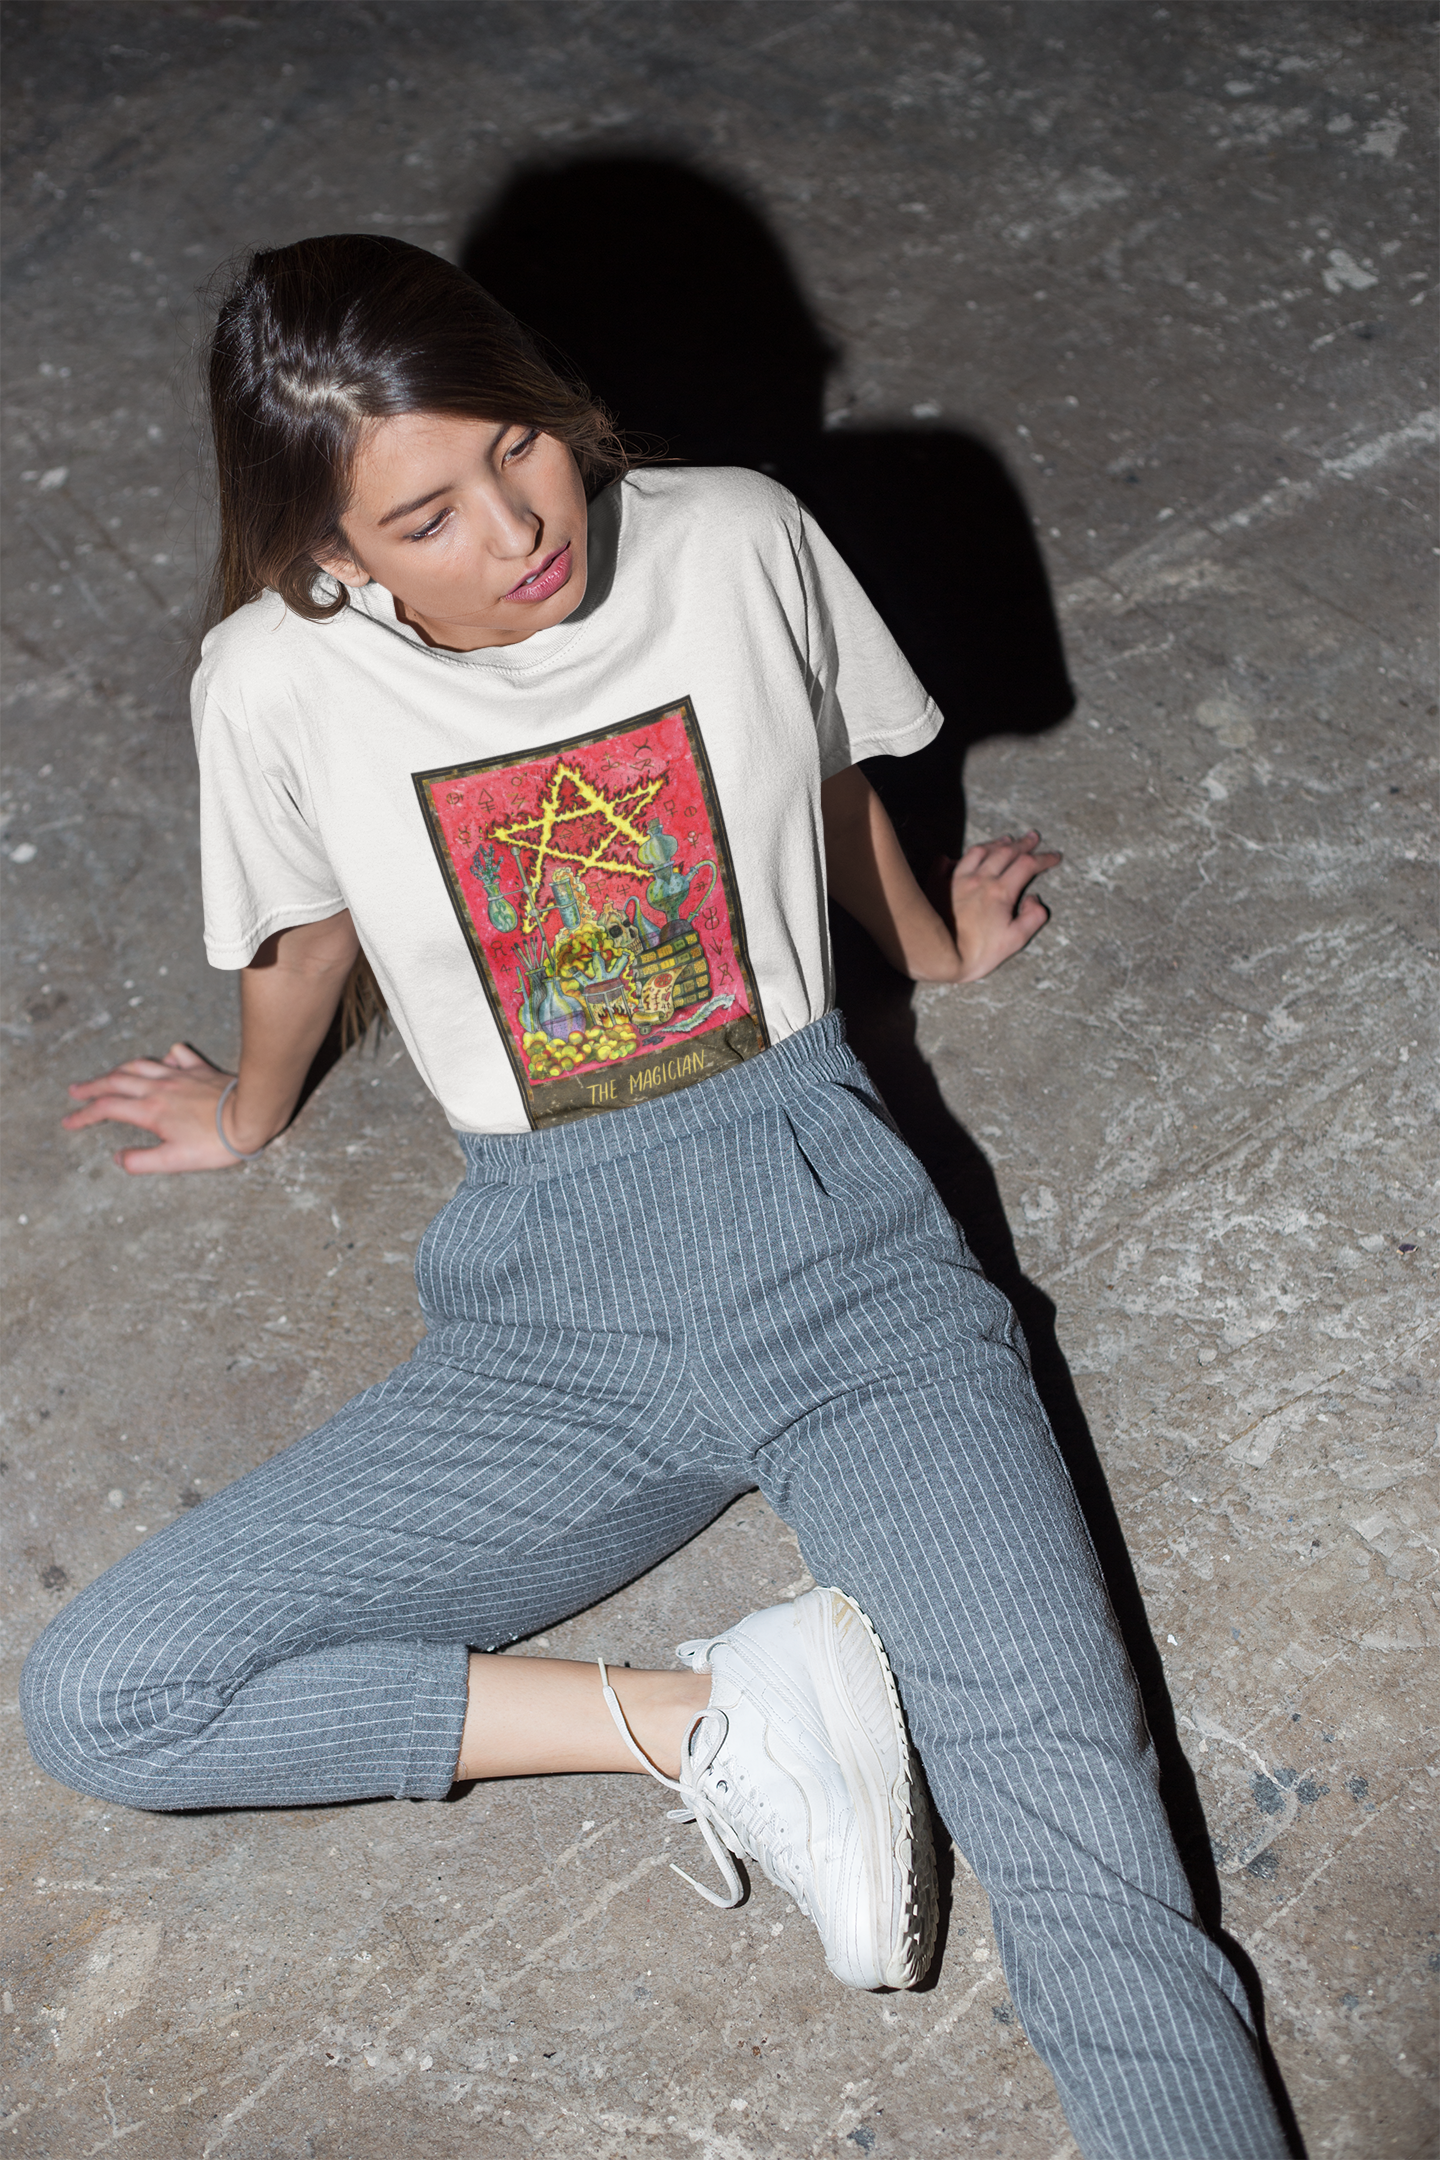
(696,1809)
(766,1837)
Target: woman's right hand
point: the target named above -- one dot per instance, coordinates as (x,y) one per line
(173,1097)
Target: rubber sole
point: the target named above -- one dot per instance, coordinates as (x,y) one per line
(871,1743)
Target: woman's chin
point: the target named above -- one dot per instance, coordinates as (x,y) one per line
(471,629)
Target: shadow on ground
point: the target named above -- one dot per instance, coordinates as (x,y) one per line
(675,303)
(673,300)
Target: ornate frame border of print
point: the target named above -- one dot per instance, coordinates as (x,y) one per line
(594,885)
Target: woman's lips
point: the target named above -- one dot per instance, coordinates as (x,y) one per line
(548,579)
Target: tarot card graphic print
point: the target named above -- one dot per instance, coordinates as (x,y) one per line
(594,885)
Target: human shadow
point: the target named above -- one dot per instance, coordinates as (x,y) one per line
(671,298)
(674,302)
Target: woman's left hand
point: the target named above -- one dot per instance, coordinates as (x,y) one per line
(983,901)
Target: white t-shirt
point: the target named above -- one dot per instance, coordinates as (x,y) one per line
(587,869)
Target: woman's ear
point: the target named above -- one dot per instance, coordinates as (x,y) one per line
(344,568)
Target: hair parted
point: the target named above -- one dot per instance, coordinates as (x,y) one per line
(315,340)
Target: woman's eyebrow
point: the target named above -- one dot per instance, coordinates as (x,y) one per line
(408,509)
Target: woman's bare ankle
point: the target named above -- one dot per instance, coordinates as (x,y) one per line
(533,1717)
(661,1709)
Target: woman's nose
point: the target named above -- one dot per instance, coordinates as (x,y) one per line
(516,528)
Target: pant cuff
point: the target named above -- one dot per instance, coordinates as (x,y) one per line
(439,1681)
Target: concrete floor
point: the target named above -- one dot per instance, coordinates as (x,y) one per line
(1173,266)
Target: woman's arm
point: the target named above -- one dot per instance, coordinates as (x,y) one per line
(288,996)
(985,914)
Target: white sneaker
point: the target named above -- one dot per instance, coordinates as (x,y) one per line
(801,1762)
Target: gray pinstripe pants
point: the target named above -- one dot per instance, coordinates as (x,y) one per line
(632,1320)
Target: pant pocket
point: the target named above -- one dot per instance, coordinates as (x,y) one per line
(461,1259)
(851,1149)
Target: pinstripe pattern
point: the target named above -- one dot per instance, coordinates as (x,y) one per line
(632,1320)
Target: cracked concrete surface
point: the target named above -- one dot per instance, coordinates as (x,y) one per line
(1177,267)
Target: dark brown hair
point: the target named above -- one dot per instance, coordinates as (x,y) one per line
(311,342)
(314,340)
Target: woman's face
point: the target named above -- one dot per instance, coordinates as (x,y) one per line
(477,527)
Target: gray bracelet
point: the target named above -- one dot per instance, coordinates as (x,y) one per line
(227,1092)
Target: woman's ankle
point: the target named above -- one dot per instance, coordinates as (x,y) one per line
(533,1717)
(661,1710)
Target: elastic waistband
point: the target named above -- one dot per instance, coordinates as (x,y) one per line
(818,1053)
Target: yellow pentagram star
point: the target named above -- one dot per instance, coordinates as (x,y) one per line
(538,835)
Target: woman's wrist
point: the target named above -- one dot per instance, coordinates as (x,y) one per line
(947,966)
(928,951)
(239,1129)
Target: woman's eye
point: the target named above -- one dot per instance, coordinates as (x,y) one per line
(427,532)
(518,449)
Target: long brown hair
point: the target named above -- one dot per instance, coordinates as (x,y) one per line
(314,340)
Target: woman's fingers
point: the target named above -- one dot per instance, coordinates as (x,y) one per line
(1000,854)
(1009,865)
(170,1155)
(122,1081)
(1016,875)
(136,1160)
(987,858)
(137,1108)
(1031,915)
(134,1074)
(180,1056)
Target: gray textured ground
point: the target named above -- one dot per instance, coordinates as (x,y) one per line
(1175,265)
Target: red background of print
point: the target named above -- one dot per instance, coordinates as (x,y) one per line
(644,772)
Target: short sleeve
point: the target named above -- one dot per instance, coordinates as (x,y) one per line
(869,701)
(262,864)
